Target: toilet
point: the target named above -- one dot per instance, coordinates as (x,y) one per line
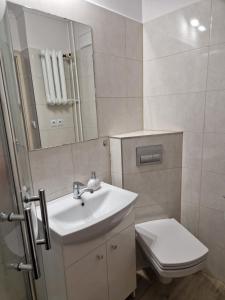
(171,249)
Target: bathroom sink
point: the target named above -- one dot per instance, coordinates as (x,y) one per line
(70,222)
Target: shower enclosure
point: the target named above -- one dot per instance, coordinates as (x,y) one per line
(21,271)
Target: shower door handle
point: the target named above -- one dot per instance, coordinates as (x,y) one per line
(32,243)
(44,216)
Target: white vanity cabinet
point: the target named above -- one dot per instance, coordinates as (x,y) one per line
(108,272)
(103,268)
(121,263)
(87,279)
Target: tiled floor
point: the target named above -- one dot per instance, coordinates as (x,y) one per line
(199,286)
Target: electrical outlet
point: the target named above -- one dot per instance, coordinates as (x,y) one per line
(60,122)
(53,123)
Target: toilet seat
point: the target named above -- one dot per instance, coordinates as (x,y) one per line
(171,248)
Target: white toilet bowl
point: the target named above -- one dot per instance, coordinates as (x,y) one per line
(171,249)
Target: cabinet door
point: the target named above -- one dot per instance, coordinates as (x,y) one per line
(87,279)
(121,264)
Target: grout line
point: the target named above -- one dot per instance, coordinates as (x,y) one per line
(175,94)
(186,93)
(177,53)
(132,98)
(203,137)
(213,172)
(201,166)
(153,171)
(118,56)
(214,209)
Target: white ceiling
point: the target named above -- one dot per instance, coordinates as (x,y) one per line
(129,8)
(139,10)
(143,10)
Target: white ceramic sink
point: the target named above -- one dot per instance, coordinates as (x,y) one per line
(71,222)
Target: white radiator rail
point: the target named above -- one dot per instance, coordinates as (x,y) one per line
(54,78)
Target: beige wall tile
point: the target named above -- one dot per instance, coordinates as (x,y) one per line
(213,190)
(117,76)
(215,112)
(155,187)
(190,217)
(174,74)
(147,114)
(152,212)
(218,22)
(212,227)
(214,265)
(191,186)
(175,112)
(172,32)
(52,169)
(213,152)
(174,209)
(192,150)
(91,156)
(110,75)
(216,72)
(90,131)
(134,78)
(57,137)
(134,39)
(109,31)
(119,115)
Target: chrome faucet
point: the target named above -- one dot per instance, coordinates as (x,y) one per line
(79,189)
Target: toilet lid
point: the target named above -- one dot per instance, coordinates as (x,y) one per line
(171,244)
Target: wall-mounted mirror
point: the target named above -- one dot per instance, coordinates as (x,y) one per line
(55,72)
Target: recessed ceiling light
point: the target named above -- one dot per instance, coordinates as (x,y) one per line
(195,22)
(201,28)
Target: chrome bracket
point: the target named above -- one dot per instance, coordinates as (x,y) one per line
(21,267)
(11,217)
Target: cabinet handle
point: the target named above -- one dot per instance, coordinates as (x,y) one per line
(100,256)
(114,247)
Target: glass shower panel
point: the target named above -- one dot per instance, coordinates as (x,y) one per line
(13,284)
(15,105)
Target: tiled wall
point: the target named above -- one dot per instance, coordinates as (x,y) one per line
(158,185)
(184,89)
(118,74)
(55,169)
